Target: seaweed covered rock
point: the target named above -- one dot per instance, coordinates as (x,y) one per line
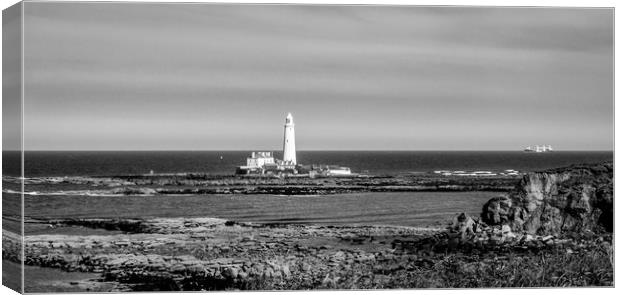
(571,199)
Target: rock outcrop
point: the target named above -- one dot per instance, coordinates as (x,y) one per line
(572,199)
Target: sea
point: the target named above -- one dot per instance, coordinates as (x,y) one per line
(418,209)
(109,163)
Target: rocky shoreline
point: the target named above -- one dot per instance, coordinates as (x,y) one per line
(214,254)
(206,253)
(551,230)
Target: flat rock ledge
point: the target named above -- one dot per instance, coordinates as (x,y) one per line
(208,253)
(214,254)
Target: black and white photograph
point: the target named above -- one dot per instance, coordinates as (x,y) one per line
(169,146)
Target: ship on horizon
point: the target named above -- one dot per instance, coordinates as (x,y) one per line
(538,149)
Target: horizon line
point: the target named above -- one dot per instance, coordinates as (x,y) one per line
(308,150)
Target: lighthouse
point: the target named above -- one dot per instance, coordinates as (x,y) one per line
(289,141)
(265,163)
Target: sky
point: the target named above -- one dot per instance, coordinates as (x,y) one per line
(146,76)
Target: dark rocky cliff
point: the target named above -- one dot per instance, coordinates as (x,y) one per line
(571,199)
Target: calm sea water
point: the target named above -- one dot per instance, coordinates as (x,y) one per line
(215,162)
(409,209)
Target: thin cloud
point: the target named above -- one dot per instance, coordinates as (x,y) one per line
(502,76)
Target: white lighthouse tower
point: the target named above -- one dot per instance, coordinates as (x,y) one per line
(289,141)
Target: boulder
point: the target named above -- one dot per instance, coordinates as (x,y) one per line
(230,272)
(462,224)
(497,210)
(578,198)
